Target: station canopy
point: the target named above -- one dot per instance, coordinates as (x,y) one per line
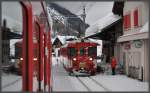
(101,25)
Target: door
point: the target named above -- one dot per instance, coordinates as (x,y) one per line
(124,62)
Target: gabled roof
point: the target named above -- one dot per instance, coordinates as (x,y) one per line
(7,34)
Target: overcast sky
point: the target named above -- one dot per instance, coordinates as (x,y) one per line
(94,10)
(12,11)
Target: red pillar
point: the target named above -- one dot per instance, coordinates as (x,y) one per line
(45,58)
(41,51)
(27,64)
(49,61)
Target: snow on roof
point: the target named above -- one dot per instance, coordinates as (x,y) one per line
(145,27)
(63,38)
(99,42)
(52,40)
(96,41)
(101,23)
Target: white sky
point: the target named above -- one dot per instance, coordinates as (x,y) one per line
(12,11)
(94,11)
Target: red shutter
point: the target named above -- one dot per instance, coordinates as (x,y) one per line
(136,18)
(128,21)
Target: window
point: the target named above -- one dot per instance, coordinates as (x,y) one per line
(92,51)
(136,24)
(82,52)
(72,52)
(127,22)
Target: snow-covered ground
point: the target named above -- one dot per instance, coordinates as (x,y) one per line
(121,83)
(63,82)
(11,82)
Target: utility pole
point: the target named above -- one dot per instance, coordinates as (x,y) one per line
(83,16)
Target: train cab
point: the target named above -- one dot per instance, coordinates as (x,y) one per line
(79,58)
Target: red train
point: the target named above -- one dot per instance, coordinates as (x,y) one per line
(79,58)
(19,58)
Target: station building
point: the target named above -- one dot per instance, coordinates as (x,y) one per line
(134,42)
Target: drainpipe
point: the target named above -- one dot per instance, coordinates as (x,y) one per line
(142,73)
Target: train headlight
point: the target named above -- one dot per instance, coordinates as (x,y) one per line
(91,59)
(74,59)
(35,59)
(21,58)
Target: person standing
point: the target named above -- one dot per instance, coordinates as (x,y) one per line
(113,65)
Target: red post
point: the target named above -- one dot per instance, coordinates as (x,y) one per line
(40,30)
(41,51)
(27,65)
(45,58)
(49,61)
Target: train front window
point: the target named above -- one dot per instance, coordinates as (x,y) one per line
(72,52)
(82,52)
(92,51)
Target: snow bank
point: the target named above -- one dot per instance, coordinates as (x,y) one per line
(121,83)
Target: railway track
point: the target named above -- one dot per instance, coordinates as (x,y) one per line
(11,84)
(91,84)
(84,84)
(99,84)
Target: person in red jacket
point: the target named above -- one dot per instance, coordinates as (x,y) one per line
(113,65)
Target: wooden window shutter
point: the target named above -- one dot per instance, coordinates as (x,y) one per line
(128,21)
(136,24)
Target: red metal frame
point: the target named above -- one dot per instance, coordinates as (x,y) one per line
(49,61)
(42,50)
(49,48)
(40,53)
(27,47)
(45,57)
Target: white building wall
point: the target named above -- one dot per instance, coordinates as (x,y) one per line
(136,57)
